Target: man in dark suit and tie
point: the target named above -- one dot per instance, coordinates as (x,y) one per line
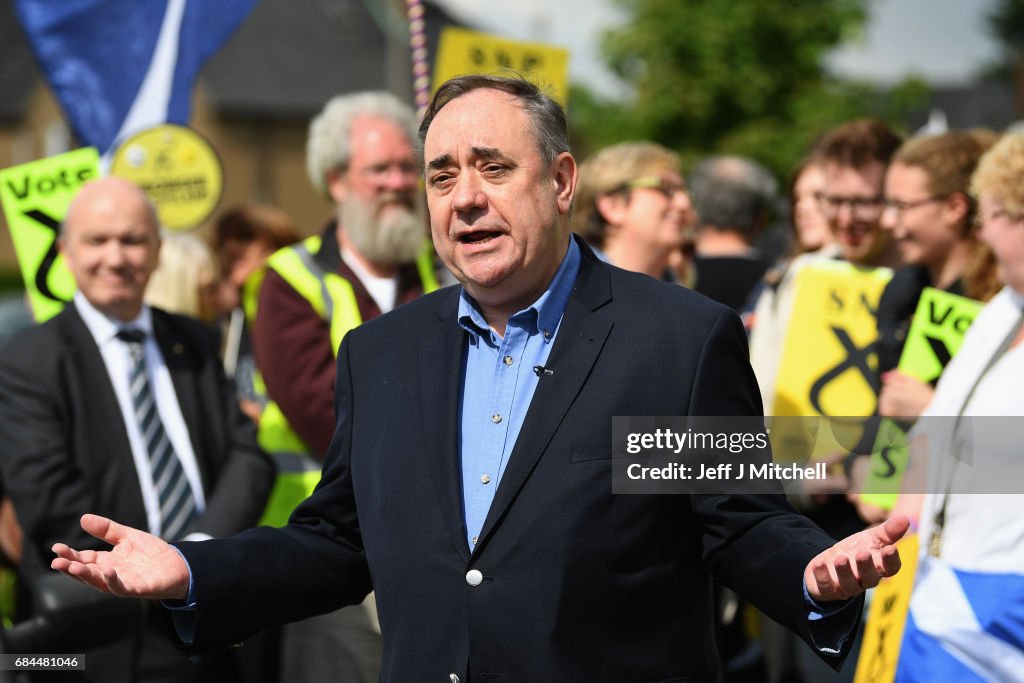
(115,406)
(469,479)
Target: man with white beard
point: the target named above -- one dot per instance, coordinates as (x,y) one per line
(372,256)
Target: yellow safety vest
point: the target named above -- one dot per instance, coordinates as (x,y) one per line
(334,300)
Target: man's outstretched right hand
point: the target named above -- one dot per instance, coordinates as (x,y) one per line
(140,565)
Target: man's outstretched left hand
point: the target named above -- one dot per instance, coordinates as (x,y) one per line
(857,562)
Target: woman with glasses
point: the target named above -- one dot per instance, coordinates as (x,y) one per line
(967,607)
(632,207)
(930,216)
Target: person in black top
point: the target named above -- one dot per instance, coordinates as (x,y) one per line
(733,198)
(930,217)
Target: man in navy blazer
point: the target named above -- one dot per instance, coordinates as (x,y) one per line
(552,577)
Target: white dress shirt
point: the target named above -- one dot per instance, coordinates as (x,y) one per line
(118,362)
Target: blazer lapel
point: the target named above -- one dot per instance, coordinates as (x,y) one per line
(584,328)
(88,363)
(440,373)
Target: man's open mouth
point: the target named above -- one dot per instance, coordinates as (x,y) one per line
(478,236)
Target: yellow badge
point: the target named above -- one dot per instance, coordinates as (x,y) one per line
(177,169)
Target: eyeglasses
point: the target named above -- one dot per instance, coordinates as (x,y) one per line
(656,183)
(900,207)
(865,209)
(379,172)
(981,219)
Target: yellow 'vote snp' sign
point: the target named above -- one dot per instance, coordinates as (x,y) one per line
(935,335)
(468,52)
(35,198)
(828,366)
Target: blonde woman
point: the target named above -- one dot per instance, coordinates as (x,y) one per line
(632,207)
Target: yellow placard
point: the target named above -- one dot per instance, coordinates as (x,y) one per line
(467,52)
(887,619)
(35,198)
(177,169)
(829,366)
(936,333)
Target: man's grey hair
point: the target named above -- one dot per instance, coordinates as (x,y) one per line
(732,193)
(546,114)
(329,145)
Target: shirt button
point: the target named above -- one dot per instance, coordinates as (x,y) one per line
(547,334)
(508,360)
(495,418)
(475,539)
(485,479)
(474,577)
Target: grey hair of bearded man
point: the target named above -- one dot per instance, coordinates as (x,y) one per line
(329,145)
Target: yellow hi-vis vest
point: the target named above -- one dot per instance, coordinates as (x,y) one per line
(334,300)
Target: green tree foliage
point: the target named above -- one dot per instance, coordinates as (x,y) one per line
(736,76)
(1006,24)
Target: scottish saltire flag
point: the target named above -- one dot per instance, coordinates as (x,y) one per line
(963,626)
(120,66)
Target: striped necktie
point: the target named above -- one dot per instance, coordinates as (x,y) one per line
(177,503)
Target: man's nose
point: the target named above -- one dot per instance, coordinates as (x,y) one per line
(681,201)
(888,219)
(398,178)
(113,253)
(468,193)
(844,215)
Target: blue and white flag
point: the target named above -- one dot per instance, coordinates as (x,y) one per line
(120,66)
(963,626)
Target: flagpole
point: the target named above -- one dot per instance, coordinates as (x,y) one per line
(420,68)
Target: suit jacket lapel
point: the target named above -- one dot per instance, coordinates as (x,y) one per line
(440,373)
(581,336)
(87,361)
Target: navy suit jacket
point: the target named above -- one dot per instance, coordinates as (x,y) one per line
(577,584)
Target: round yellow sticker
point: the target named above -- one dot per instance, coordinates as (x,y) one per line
(177,169)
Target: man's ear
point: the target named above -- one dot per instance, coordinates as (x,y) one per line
(565,176)
(957,207)
(337,186)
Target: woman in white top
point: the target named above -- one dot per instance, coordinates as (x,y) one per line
(966,619)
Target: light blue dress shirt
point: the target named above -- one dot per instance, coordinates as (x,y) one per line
(500,374)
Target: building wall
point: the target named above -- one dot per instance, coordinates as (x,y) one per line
(264,161)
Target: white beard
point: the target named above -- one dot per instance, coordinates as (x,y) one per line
(390,230)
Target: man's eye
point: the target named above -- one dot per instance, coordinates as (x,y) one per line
(495,169)
(441,180)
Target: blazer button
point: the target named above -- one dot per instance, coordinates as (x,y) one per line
(453,678)
(474,577)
